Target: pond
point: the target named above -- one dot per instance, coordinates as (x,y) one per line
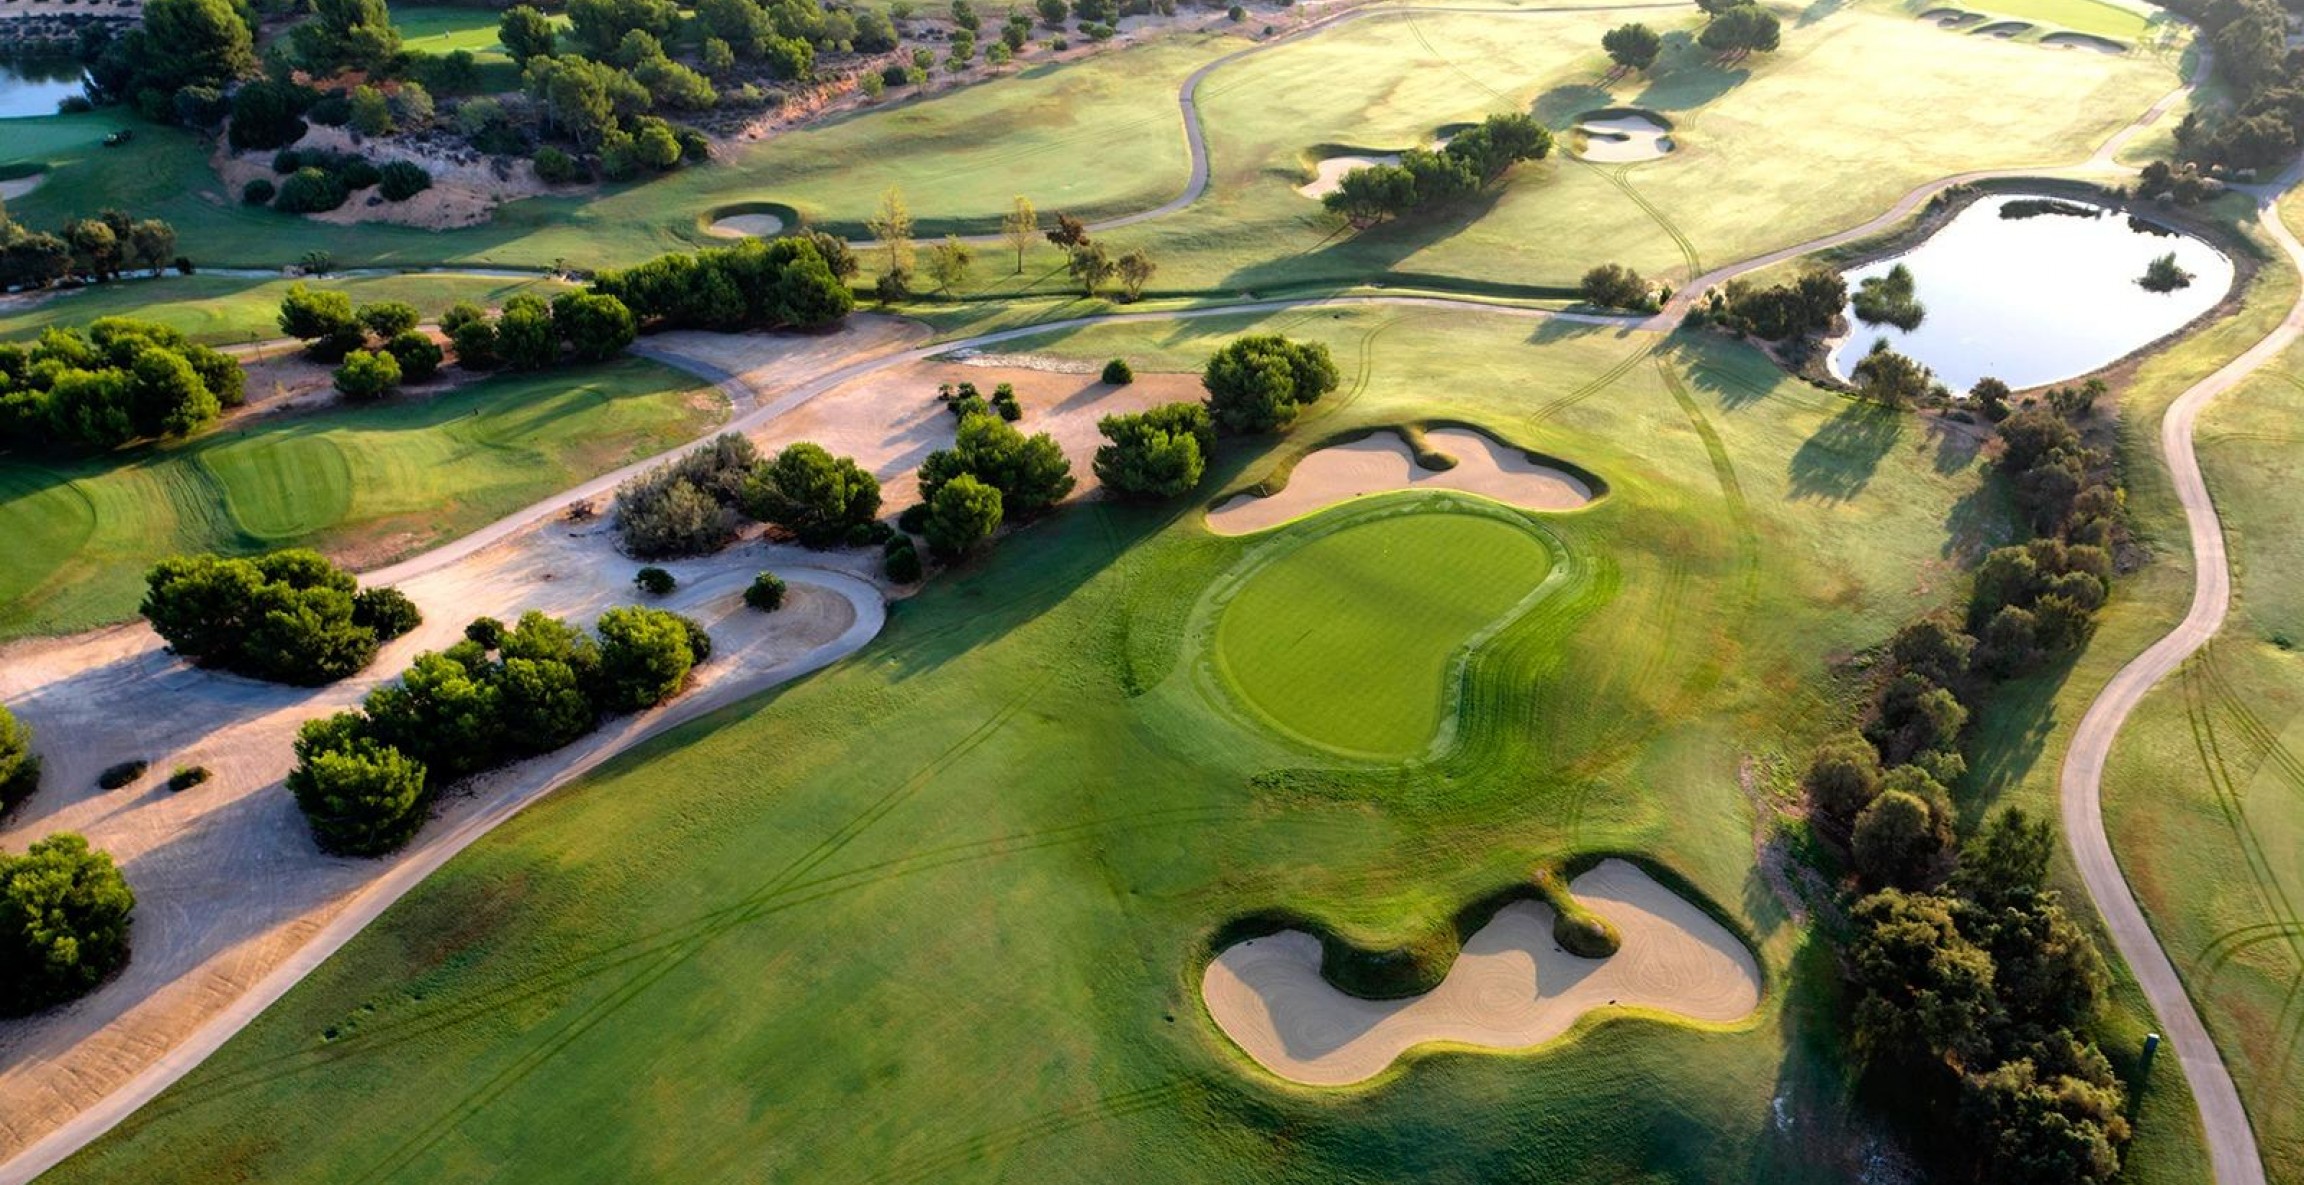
(32,86)
(2040,299)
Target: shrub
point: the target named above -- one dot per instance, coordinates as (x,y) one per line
(820,498)
(386,612)
(19,765)
(903,565)
(359,796)
(554,167)
(645,656)
(122,773)
(258,192)
(309,191)
(1614,286)
(654,581)
(486,632)
(963,512)
(287,616)
(357,173)
(1575,927)
(597,327)
(914,519)
(387,318)
(1004,402)
(687,506)
(366,375)
(322,318)
(64,911)
(1257,383)
(187,776)
(418,355)
(1030,473)
(1118,373)
(400,180)
(766,592)
(1156,454)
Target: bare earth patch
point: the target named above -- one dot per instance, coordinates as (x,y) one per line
(462,193)
(1511,988)
(1383,463)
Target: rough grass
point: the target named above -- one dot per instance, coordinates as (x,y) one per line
(370,483)
(935,914)
(1350,640)
(224,310)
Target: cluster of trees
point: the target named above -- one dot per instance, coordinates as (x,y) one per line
(689,505)
(1473,160)
(1974,986)
(64,911)
(1738,29)
(1890,300)
(797,281)
(380,346)
(286,616)
(19,765)
(176,67)
(992,474)
(365,778)
(1615,286)
(2264,127)
(1807,304)
(1257,383)
(823,500)
(1632,47)
(2180,185)
(1157,454)
(91,250)
(118,380)
(1892,379)
(315,180)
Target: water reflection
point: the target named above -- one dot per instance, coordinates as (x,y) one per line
(32,86)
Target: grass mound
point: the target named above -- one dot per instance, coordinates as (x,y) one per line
(1576,928)
(1348,640)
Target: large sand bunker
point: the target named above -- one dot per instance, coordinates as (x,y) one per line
(1951,18)
(2084,41)
(1511,988)
(1383,463)
(1621,136)
(1328,175)
(746,226)
(2004,29)
(16,187)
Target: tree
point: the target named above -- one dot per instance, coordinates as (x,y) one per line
(322,318)
(19,765)
(346,35)
(360,797)
(1136,268)
(598,26)
(1020,227)
(287,616)
(64,911)
(2048,1128)
(1842,779)
(813,494)
(1742,30)
(1256,383)
(963,513)
(1922,986)
(387,319)
(1614,286)
(645,657)
(765,593)
(151,241)
(1092,266)
(1887,377)
(1052,12)
(2007,861)
(1069,232)
(525,33)
(1157,454)
(189,43)
(525,336)
(366,375)
(596,326)
(418,355)
(949,261)
(1898,840)
(1031,473)
(654,581)
(892,227)
(1633,46)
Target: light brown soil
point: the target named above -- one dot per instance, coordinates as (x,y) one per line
(1383,463)
(747,226)
(461,194)
(1511,988)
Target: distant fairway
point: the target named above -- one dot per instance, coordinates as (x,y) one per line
(369,483)
(1348,641)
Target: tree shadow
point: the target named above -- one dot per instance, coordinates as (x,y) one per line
(1559,107)
(1837,462)
(1957,444)
(1731,391)
(1690,78)
(1817,10)
(1362,254)
(2007,742)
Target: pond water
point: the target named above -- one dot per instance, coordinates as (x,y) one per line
(31,86)
(2037,300)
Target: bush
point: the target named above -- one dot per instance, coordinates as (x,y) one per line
(19,765)
(914,519)
(1614,286)
(1156,454)
(287,616)
(418,355)
(387,612)
(818,497)
(596,327)
(388,318)
(122,773)
(686,506)
(188,776)
(903,565)
(1031,474)
(1257,383)
(258,192)
(64,911)
(760,283)
(962,513)
(654,581)
(359,796)
(366,375)
(109,384)
(357,174)
(400,180)
(485,632)
(645,657)
(1117,373)
(309,191)
(766,592)
(554,167)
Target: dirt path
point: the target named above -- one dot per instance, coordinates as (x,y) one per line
(1512,987)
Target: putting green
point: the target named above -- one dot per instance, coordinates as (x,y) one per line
(282,487)
(1351,640)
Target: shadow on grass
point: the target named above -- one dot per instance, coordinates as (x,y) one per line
(1837,462)
(1686,77)
(1345,254)
(2007,740)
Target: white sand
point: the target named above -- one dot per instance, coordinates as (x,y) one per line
(1383,463)
(1951,18)
(1512,988)
(2084,41)
(1620,139)
(10,190)
(747,226)
(1329,173)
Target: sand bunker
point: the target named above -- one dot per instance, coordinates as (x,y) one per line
(19,186)
(1383,463)
(746,226)
(2004,29)
(1329,173)
(1511,988)
(1951,18)
(1618,137)
(2083,41)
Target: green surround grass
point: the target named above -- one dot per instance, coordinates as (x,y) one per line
(937,913)
(373,483)
(2099,17)
(1350,640)
(224,310)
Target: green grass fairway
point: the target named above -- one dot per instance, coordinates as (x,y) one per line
(224,310)
(1350,640)
(936,914)
(371,483)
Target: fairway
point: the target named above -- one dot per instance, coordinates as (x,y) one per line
(1350,640)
